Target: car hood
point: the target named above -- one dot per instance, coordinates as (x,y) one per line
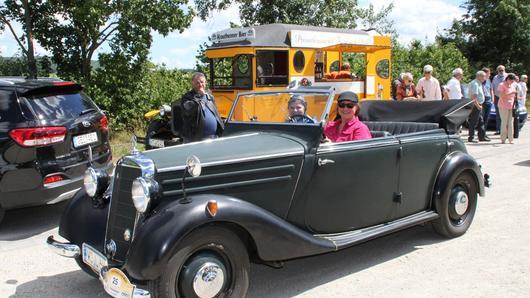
(240,148)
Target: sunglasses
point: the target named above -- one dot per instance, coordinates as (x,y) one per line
(346,105)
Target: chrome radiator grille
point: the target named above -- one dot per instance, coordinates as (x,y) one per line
(122,213)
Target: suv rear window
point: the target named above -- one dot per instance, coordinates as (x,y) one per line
(63,106)
(8,108)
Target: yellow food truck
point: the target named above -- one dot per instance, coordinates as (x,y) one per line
(279,56)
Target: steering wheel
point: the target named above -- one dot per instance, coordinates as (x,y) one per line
(301,119)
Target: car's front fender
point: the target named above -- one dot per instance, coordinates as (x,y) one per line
(158,238)
(82,223)
(454,164)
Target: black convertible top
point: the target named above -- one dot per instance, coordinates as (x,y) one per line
(449,114)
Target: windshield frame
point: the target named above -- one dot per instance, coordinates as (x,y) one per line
(321,91)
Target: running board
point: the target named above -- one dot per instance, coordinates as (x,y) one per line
(343,240)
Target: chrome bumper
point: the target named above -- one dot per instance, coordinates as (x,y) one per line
(63,249)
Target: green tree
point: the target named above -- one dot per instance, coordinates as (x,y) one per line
(493,32)
(30,14)
(80,27)
(443,57)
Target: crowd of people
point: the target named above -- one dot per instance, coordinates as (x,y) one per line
(505,91)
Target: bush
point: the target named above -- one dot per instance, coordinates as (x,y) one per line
(126,90)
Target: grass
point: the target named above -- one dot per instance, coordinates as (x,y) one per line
(120,143)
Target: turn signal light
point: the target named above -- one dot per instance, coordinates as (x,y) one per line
(212,207)
(38,136)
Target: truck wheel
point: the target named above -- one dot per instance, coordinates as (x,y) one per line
(457,207)
(210,262)
(85,267)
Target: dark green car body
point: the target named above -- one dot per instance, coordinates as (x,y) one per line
(276,186)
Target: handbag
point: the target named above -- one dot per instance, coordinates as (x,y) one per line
(515,109)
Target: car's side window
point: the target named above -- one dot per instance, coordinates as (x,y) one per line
(9,112)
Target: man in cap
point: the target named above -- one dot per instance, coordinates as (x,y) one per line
(428,87)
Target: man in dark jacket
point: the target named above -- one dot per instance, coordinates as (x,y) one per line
(200,118)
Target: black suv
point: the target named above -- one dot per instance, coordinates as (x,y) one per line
(47,128)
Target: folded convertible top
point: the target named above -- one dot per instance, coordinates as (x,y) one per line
(449,114)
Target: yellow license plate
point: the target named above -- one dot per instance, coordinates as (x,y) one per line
(117,284)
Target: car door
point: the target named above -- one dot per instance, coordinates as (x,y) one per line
(420,161)
(353,185)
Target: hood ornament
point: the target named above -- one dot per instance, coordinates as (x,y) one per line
(134,144)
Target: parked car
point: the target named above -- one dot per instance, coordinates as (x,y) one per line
(492,120)
(269,191)
(46,129)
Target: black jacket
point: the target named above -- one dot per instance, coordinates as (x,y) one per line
(193,116)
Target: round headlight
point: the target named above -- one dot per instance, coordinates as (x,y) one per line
(142,191)
(90,181)
(95,181)
(162,111)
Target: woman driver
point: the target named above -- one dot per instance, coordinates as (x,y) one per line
(297,106)
(347,126)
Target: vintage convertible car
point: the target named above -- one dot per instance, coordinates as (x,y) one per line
(269,191)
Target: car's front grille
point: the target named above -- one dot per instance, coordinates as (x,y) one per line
(122,213)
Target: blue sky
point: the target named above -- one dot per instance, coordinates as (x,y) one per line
(414,19)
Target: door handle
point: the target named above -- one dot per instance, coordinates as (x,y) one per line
(322,162)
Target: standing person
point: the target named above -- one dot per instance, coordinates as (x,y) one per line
(200,118)
(497,80)
(488,96)
(406,89)
(476,93)
(524,88)
(507,94)
(516,105)
(455,88)
(428,87)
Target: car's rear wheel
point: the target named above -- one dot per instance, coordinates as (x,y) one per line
(210,262)
(457,207)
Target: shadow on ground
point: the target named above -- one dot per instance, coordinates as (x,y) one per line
(27,222)
(75,284)
(297,276)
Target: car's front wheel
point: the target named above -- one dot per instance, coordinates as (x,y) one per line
(210,262)
(457,207)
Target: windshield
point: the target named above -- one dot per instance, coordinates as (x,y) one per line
(281,107)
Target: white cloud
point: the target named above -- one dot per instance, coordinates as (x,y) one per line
(418,19)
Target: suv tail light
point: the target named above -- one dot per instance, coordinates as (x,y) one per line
(104,123)
(38,136)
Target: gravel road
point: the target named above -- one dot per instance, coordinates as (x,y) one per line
(491,260)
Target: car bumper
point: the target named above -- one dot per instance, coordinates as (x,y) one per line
(47,194)
(114,281)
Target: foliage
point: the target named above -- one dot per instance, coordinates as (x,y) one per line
(128,90)
(443,57)
(18,66)
(493,33)
(79,27)
(30,14)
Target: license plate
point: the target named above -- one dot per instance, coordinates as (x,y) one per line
(156,143)
(94,258)
(85,139)
(117,284)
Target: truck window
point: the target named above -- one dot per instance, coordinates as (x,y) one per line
(272,68)
(231,72)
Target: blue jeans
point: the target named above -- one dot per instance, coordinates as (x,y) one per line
(498,115)
(486,109)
